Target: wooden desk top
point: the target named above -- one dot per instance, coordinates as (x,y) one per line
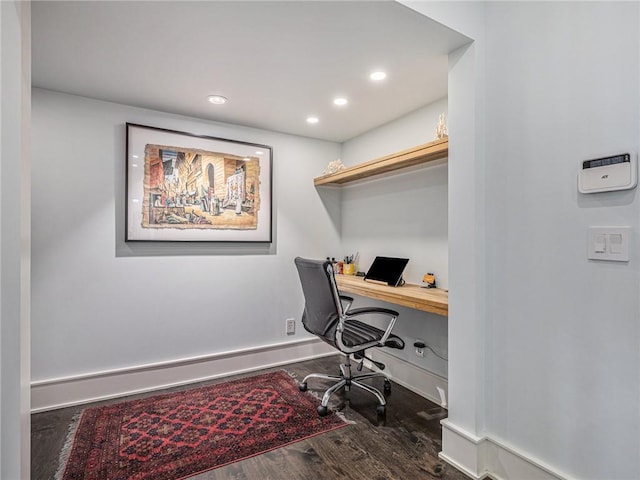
(433,300)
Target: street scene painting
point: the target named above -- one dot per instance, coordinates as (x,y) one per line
(182,187)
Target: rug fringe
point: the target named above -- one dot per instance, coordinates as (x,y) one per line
(342,417)
(291,373)
(66,448)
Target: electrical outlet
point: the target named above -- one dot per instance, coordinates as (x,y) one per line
(419,350)
(291,326)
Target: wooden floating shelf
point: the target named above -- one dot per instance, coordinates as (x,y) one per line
(426,153)
(433,300)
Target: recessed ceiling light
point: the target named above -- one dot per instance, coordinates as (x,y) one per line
(313,119)
(377,76)
(217,99)
(258,152)
(340,101)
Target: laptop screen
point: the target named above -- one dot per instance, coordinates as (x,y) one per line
(387,269)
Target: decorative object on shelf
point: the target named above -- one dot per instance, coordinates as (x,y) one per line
(195,188)
(334,166)
(441,131)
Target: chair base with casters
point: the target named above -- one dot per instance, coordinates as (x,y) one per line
(329,316)
(346,380)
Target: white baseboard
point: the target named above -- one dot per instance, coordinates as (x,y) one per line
(76,390)
(487,457)
(426,384)
(463,450)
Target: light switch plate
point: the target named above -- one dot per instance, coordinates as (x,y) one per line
(609,243)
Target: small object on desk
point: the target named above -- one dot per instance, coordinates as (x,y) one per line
(349,266)
(388,270)
(360,274)
(334,264)
(430,280)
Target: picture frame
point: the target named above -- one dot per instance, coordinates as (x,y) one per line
(183,187)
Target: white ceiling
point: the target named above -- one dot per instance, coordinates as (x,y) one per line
(277,62)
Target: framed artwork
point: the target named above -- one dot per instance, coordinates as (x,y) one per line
(193,188)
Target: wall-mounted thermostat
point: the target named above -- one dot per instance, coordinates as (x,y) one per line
(607,174)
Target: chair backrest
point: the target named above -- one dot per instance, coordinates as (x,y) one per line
(322,307)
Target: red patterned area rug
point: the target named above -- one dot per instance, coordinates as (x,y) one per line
(177,435)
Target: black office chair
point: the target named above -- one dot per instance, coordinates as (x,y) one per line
(327,315)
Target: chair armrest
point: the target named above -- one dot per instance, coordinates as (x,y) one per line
(365,310)
(346,303)
(368,311)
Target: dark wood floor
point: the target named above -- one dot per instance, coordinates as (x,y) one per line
(403,446)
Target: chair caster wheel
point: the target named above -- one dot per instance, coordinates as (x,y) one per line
(303,387)
(322,411)
(381,410)
(387,387)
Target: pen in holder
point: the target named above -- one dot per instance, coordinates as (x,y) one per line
(349,266)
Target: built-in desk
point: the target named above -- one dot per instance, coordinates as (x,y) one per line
(433,300)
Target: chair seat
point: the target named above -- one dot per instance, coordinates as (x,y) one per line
(358,333)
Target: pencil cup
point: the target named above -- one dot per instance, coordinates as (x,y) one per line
(349,268)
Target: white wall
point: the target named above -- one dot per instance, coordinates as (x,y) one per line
(402,215)
(555,335)
(101,304)
(467,272)
(15,81)
(561,327)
